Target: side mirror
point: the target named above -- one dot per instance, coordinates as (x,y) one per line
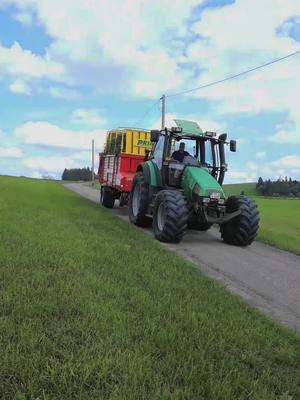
(223,137)
(232,145)
(154,135)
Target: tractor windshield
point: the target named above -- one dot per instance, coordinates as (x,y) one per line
(201,150)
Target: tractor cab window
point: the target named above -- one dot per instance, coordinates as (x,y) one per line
(209,153)
(157,155)
(189,146)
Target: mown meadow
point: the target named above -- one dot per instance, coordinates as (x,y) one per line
(92,308)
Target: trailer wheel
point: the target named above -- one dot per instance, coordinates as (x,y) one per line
(170,216)
(106,197)
(241,230)
(139,201)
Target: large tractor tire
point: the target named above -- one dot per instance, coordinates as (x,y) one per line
(170,216)
(106,197)
(196,224)
(241,230)
(139,201)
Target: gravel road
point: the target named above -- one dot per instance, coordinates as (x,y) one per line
(264,276)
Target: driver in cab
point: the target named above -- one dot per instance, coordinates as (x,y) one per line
(178,155)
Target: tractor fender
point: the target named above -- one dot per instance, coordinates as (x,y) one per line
(144,168)
(151,173)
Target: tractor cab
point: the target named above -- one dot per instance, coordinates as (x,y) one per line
(187,145)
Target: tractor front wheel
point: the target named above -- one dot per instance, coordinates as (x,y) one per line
(170,216)
(139,201)
(106,197)
(241,230)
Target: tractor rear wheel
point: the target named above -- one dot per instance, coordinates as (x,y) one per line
(170,216)
(106,197)
(241,230)
(139,201)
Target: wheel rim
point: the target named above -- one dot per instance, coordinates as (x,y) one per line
(136,200)
(161,218)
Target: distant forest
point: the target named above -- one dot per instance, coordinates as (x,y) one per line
(282,187)
(77,174)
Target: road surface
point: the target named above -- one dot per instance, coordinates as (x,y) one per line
(264,276)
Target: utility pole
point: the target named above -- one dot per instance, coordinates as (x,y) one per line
(163,111)
(93,161)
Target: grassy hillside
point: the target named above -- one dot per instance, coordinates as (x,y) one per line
(249,189)
(92,308)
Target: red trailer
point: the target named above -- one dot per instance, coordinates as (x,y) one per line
(124,150)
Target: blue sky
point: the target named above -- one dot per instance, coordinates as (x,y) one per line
(71,70)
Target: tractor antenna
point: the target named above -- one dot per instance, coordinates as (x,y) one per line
(163,111)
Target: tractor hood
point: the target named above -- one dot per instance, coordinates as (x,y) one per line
(207,185)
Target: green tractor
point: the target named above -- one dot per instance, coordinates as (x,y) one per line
(180,189)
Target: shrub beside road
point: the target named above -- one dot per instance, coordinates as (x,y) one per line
(92,308)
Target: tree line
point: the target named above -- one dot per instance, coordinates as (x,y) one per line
(282,187)
(77,174)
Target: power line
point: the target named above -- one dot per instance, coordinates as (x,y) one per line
(234,76)
(146,112)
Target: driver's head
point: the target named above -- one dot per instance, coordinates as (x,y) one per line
(181,147)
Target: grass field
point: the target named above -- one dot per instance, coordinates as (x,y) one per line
(91,308)
(280,222)
(280,218)
(249,189)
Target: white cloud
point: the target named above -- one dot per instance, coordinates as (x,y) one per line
(16,61)
(285,136)
(252,166)
(88,117)
(46,134)
(205,124)
(51,164)
(242,35)
(11,152)
(64,93)
(290,161)
(238,176)
(141,42)
(20,87)
(260,154)
(25,18)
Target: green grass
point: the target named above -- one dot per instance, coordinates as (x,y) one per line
(95,185)
(280,222)
(249,189)
(92,308)
(279,217)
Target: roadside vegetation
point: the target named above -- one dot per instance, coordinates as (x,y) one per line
(91,308)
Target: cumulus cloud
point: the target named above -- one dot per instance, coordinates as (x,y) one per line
(15,61)
(260,154)
(52,164)
(64,93)
(11,152)
(143,48)
(44,133)
(20,87)
(290,161)
(88,117)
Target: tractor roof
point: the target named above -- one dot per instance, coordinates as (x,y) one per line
(189,128)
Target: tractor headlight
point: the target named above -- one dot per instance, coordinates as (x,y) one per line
(206,200)
(215,195)
(221,201)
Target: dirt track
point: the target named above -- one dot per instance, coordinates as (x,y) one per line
(266,277)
